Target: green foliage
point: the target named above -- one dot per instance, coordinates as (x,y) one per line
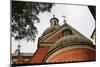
(23,17)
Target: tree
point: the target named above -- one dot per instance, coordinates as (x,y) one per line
(23,17)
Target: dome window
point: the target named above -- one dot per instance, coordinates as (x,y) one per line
(67,32)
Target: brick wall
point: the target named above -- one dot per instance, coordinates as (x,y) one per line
(77,54)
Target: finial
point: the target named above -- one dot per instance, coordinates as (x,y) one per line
(64,18)
(19,46)
(53,16)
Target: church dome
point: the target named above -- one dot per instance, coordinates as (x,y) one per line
(48,30)
(54,19)
(53,25)
(70,39)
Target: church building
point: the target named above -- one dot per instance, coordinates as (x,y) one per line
(62,43)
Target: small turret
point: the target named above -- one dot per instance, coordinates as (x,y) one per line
(54,22)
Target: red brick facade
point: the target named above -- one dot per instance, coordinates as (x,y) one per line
(39,55)
(78,54)
(56,39)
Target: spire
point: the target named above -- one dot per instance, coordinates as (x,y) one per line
(64,18)
(19,46)
(19,55)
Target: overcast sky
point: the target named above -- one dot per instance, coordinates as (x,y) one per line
(79,17)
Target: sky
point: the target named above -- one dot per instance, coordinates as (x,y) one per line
(78,16)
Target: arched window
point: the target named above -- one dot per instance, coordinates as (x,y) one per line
(67,32)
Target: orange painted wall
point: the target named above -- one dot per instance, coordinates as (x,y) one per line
(78,54)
